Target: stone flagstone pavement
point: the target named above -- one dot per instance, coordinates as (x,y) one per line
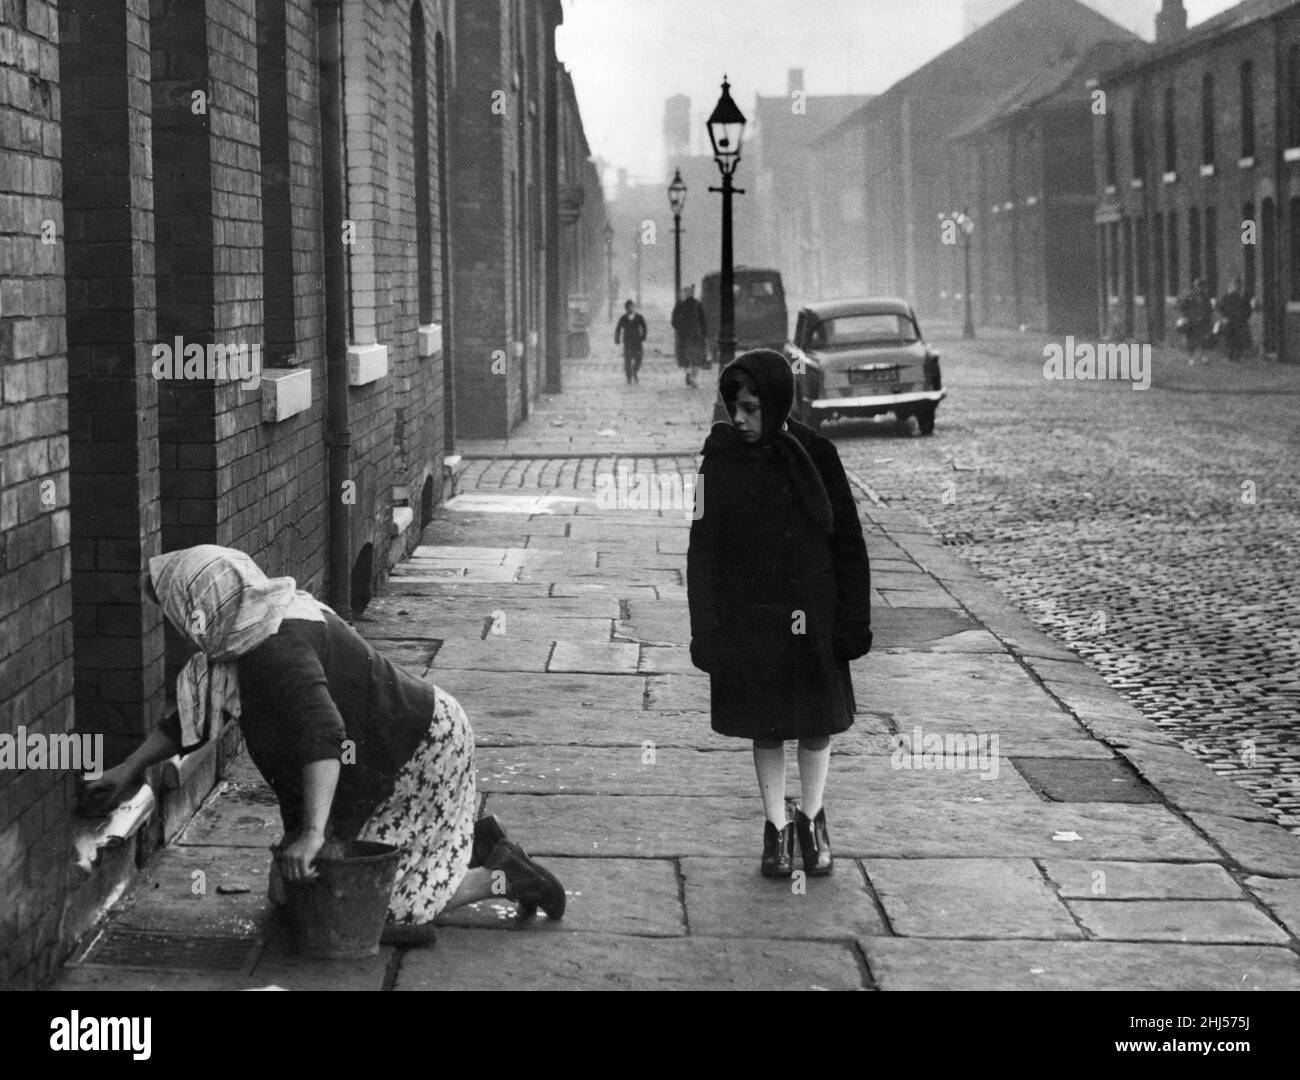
(1083,850)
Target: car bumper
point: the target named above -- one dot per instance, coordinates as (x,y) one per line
(878,402)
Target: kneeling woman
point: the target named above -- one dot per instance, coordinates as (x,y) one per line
(779,589)
(354,747)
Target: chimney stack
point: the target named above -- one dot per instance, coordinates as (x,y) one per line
(795,80)
(1171,21)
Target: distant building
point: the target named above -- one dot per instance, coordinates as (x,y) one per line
(1137,16)
(786,180)
(883,169)
(677,131)
(1197,173)
(1023,171)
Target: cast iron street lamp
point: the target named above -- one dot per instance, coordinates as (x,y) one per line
(726,128)
(967,226)
(609,268)
(677,200)
(636,245)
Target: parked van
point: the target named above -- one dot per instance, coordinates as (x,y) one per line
(761,319)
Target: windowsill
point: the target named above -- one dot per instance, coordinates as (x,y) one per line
(367,364)
(1110,189)
(285,393)
(429,339)
(1291,153)
(1171,177)
(1136,183)
(1246,162)
(1207,169)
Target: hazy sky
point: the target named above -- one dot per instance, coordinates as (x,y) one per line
(627,56)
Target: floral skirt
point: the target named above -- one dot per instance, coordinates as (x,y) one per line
(431,813)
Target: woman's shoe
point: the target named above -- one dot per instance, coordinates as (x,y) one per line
(778,850)
(414,935)
(527,884)
(488,832)
(814,843)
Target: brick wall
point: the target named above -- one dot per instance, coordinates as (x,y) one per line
(35,554)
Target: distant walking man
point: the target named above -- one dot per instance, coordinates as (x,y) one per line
(631,330)
(692,333)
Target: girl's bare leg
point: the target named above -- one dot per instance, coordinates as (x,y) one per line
(769,764)
(814,763)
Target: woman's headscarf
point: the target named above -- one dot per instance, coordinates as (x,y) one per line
(774,383)
(219,601)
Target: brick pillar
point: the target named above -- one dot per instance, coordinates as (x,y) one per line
(112,399)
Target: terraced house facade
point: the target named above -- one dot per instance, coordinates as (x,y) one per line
(230,255)
(1197,161)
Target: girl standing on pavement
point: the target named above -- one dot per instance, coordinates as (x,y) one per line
(353,746)
(779,589)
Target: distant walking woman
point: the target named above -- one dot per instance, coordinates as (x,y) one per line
(779,588)
(303,684)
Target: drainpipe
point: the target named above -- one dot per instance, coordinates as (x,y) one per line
(338,436)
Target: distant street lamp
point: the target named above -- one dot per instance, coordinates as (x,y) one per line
(636,244)
(963,221)
(609,268)
(677,200)
(726,129)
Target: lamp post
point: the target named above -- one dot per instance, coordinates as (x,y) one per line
(677,200)
(962,219)
(609,269)
(636,244)
(726,127)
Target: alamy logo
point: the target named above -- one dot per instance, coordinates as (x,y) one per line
(61,750)
(221,363)
(1106,361)
(651,491)
(77,1032)
(948,750)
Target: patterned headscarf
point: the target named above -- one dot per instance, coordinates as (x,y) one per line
(220,602)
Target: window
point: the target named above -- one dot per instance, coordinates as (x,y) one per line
(1114,258)
(1247,108)
(1111,171)
(1212,249)
(1171,250)
(1293,96)
(1193,245)
(1136,137)
(1171,135)
(847,330)
(1294,217)
(1140,256)
(1248,252)
(1158,256)
(420,148)
(279,325)
(1207,120)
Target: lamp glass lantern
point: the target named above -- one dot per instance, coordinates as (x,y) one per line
(677,193)
(726,130)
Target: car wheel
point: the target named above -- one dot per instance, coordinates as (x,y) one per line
(925,420)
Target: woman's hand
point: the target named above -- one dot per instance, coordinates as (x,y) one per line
(296,858)
(103,795)
(851,640)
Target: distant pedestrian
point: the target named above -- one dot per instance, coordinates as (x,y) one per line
(691,328)
(778,585)
(1196,317)
(631,331)
(1234,309)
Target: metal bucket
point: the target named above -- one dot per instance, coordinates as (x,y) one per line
(340,915)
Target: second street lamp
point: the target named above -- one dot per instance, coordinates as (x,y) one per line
(726,129)
(677,200)
(609,268)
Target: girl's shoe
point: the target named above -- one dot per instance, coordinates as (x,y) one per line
(488,832)
(814,844)
(778,850)
(527,884)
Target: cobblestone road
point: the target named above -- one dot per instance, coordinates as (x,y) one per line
(1154,532)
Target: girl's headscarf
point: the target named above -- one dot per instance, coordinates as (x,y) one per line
(774,381)
(219,601)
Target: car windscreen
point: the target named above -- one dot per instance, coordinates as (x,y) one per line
(847,330)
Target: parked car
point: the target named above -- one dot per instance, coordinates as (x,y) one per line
(863,357)
(761,317)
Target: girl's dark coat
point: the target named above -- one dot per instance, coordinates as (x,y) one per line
(759,570)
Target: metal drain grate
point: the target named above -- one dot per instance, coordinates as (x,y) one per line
(185,952)
(957,539)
